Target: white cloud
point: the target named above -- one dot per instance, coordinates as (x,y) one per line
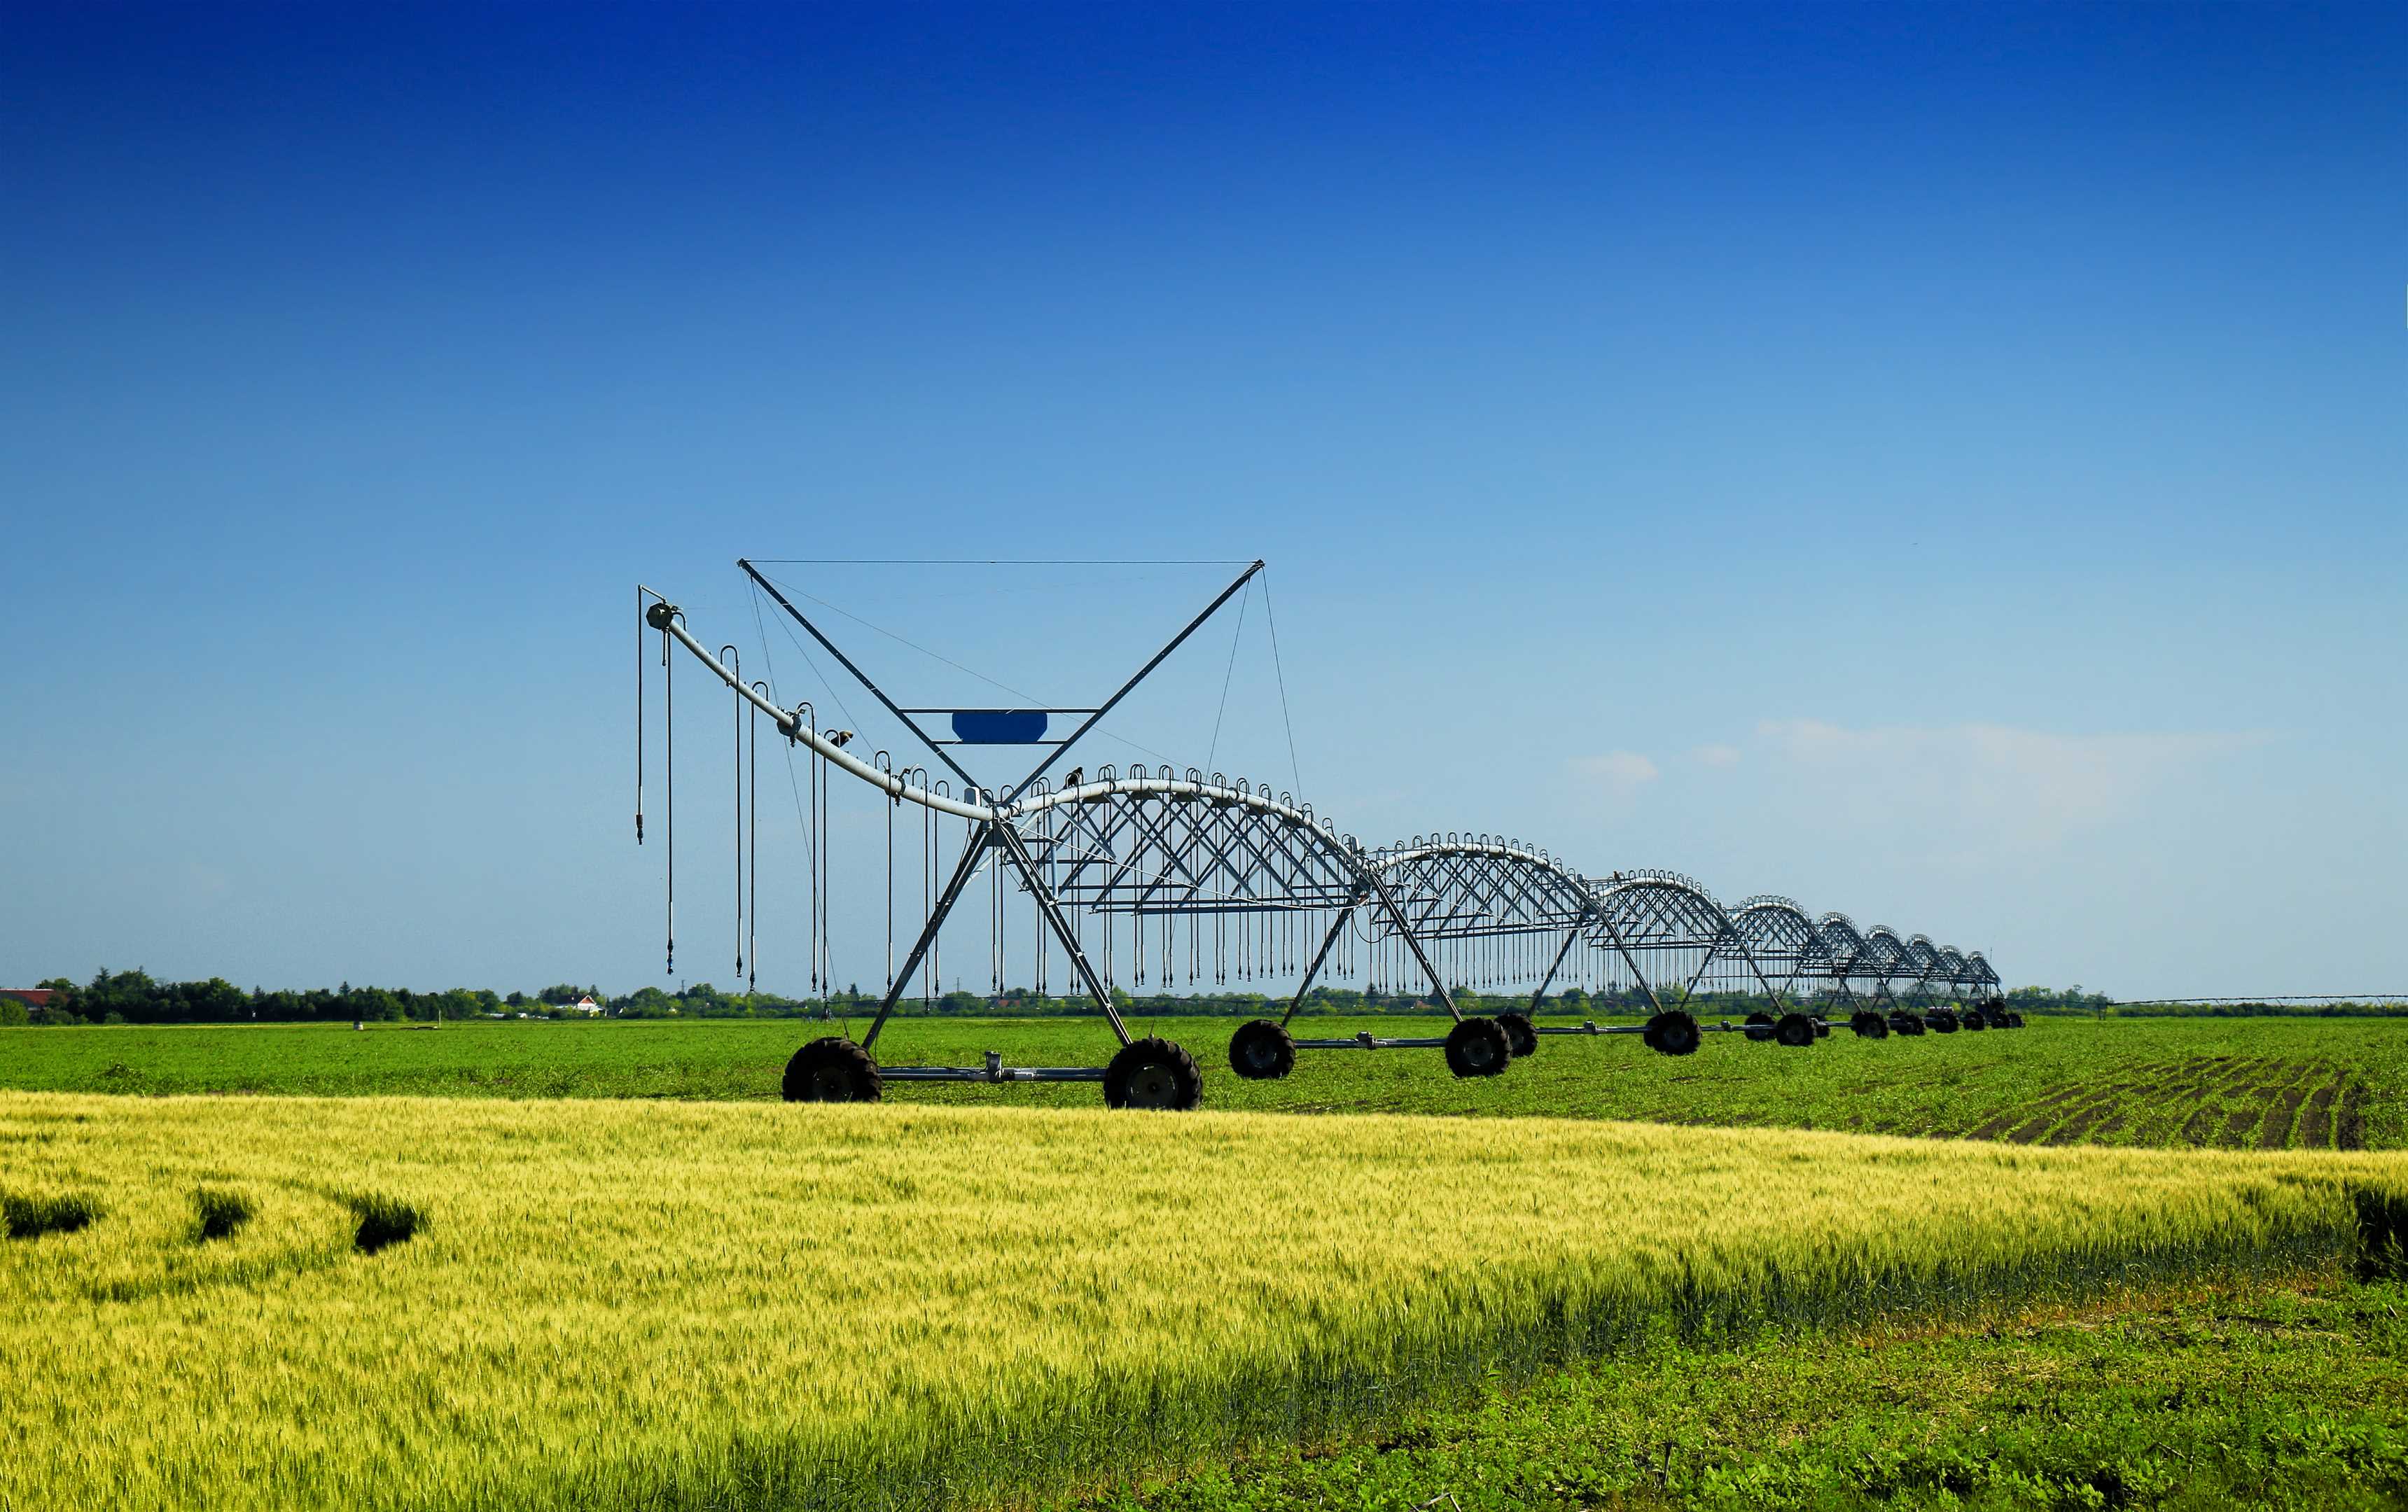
(1615,777)
(1984,789)
(1718,755)
(1620,769)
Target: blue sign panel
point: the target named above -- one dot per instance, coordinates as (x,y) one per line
(1000,726)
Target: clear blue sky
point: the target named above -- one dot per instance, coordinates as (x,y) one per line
(1941,463)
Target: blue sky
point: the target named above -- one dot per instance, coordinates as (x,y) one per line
(1941,463)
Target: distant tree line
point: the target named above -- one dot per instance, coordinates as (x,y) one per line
(2074,1000)
(134,997)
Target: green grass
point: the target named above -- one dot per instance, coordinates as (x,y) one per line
(2290,1394)
(2314,1083)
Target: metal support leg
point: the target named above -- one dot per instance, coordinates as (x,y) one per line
(1689,987)
(1789,983)
(1653,1005)
(1328,942)
(1549,979)
(1780,1007)
(980,839)
(1046,905)
(1397,915)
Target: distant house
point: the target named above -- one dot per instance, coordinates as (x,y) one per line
(33,997)
(586,1005)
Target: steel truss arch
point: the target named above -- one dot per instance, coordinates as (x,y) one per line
(1781,935)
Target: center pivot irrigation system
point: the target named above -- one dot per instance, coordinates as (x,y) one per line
(1129,872)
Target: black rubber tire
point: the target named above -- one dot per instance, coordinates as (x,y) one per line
(1153,1073)
(2015,1020)
(1520,1034)
(1759,1027)
(1869,1025)
(1673,1033)
(1975,1019)
(1262,1051)
(1795,1030)
(832,1070)
(1478,1048)
(1941,1022)
(1906,1023)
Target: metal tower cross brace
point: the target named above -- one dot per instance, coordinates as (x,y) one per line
(1000,837)
(935,746)
(1367,889)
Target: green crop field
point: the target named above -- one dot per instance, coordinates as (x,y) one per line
(2233,1083)
(2290,1393)
(452,1302)
(973,1295)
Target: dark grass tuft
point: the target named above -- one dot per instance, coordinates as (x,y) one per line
(218,1213)
(30,1217)
(383,1220)
(2382,1233)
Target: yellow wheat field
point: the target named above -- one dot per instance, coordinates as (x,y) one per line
(609,1304)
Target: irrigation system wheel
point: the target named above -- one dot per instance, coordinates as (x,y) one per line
(1906,1023)
(1673,1033)
(832,1070)
(1478,1048)
(2015,1020)
(1975,1019)
(1869,1025)
(1153,1073)
(1520,1035)
(1941,1021)
(1262,1050)
(1760,1026)
(1795,1030)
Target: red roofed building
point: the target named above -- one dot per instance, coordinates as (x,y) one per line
(33,997)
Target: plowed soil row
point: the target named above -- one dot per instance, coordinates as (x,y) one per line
(2316,1123)
(2351,1133)
(2225,1102)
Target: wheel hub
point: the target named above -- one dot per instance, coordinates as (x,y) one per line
(1152,1086)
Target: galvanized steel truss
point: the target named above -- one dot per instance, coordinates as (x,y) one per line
(1178,849)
